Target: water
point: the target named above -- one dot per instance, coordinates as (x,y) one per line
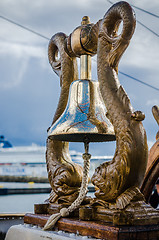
(20,203)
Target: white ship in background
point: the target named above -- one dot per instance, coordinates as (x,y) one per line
(4,143)
(30,161)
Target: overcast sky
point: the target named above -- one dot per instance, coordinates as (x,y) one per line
(29,89)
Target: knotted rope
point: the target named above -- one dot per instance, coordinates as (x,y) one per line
(64,212)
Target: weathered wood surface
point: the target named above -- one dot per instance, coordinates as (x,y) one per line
(137,213)
(98,229)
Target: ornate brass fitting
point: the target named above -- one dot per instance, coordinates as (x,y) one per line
(83,40)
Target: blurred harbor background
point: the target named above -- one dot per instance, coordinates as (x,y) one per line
(23,177)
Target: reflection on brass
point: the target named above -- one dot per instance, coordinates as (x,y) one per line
(85,64)
(118,181)
(84,116)
(83,40)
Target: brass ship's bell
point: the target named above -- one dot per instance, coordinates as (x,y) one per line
(84,119)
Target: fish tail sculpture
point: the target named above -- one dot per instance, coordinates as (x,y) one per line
(64,176)
(118,181)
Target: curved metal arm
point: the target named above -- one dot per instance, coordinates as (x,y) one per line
(115,44)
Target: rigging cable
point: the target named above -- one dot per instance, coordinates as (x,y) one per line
(138,80)
(145,11)
(135,79)
(148,28)
(26,28)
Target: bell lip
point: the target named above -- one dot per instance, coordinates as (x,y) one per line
(80,137)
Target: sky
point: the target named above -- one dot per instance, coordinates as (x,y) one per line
(29,89)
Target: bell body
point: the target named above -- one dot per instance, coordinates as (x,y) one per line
(84,118)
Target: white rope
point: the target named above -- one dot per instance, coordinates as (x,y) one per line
(64,212)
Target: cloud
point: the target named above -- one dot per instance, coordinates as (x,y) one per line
(11,83)
(152,102)
(17,57)
(20,50)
